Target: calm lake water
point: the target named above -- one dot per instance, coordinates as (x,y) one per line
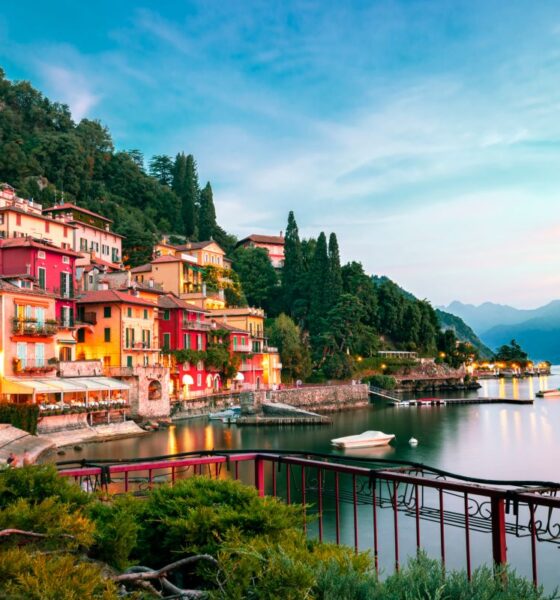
(498,441)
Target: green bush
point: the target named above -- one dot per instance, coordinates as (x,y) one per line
(22,416)
(197,514)
(117,524)
(385,382)
(29,576)
(37,483)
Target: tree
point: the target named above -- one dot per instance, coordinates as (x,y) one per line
(206,214)
(161,167)
(335,273)
(284,334)
(138,157)
(292,271)
(511,352)
(319,282)
(257,276)
(185,185)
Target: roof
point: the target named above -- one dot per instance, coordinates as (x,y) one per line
(228,327)
(105,296)
(197,245)
(172,301)
(166,258)
(104,263)
(142,268)
(142,287)
(263,239)
(12,208)
(6,286)
(236,312)
(29,242)
(71,206)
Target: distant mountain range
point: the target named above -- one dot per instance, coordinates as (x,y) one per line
(537,330)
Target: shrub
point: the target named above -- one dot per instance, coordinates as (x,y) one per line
(36,483)
(385,382)
(22,416)
(198,513)
(28,576)
(117,524)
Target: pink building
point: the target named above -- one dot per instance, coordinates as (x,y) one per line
(273,244)
(52,270)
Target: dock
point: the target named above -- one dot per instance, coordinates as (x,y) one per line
(478,400)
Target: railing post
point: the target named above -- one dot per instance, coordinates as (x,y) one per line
(499,548)
(259,475)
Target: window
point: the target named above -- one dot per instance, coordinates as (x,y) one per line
(145,313)
(21,351)
(129,312)
(129,361)
(42,276)
(66,285)
(83,244)
(2,219)
(115,255)
(81,336)
(199,341)
(40,316)
(65,231)
(104,249)
(107,312)
(235,342)
(47,227)
(146,360)
(166,314)
(167,340)
(67,316)
(199,365)
(199,380)
(66,260)
(41,254)
(186,341)
(107,334)
(39,355)
(18,219)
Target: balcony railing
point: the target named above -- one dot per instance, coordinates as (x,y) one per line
(242,348)
(196,325)
(90,318)
(34,328)
(141,346)
(64,293)
(29,366)
(371,504)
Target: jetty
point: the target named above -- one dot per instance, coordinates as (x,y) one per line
(396,401)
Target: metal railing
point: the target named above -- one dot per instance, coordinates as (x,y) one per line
(396,507)
(34,328)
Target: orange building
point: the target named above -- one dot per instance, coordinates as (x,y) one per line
(273,244)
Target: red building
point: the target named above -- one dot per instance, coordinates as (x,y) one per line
(52,268)
(183,326)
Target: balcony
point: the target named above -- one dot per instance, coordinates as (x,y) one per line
(196,325)
(90,318)
(242,348)
(270,349)
(142,346)
(63,292)
(34,328)
(66,323)
(37,366)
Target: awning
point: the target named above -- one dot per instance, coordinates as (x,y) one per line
(57,385)
(187,379)
(239,377)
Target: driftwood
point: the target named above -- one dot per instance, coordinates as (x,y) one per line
(139,575)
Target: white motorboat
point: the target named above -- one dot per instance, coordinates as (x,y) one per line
(413,441)
(228,413)
(548,393)
(367,439)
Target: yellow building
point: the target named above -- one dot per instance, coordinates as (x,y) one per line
(178,273)
(24,218)
(123,329)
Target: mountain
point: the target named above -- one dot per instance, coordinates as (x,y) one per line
(462,331)
(536,330)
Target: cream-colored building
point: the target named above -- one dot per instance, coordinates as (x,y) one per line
(24,218)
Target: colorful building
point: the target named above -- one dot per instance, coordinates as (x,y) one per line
(24,218)
(53,270)
(178,274)
(91,235)
(123,329)
(183,326)
(273,244)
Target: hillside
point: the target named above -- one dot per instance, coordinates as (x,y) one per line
(45,155)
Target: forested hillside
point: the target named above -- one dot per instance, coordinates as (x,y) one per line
(47,156)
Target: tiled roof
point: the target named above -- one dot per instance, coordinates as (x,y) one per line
(104,263)
(142,268)
(29,242)
(227,327)
(166,258)
(70,206)
(263,239)
(6,286)
(171,301)
(104,296)
(197,245)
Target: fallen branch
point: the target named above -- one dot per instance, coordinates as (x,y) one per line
(34,534)
(152,574)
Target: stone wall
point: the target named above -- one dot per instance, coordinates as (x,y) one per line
(144,403)
(80,368)
(326,398)
(62,422)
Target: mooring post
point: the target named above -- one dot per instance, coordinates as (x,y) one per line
(499,548)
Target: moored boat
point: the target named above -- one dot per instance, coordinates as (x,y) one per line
(233,411)
(548,393)
(367,439)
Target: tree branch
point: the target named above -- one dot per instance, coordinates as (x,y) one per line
(33,534)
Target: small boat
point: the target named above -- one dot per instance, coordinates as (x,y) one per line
(413,441)
(233,411)
(548,393)
(363,440)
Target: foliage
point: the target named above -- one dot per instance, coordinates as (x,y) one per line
(22,416)
(197,514)
(385,382)
(257,276)
(25,575)
(207,214)
(284,334)
(117,524)
(36,484)
(293,270)
(511,352)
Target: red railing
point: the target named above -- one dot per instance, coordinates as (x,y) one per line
(393,509)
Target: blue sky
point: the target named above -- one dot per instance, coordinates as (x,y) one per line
(426,134)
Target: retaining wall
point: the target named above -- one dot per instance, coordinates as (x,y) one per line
(326,398)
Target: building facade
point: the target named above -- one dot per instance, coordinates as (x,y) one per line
(273,244)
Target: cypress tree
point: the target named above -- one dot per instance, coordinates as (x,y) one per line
(206,214)
(185,185)
(335,271)
(293,265)
(319,283)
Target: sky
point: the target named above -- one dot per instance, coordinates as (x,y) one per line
(425,134)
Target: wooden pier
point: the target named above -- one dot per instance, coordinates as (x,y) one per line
(477,400)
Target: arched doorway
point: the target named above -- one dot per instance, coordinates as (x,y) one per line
(154,390)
